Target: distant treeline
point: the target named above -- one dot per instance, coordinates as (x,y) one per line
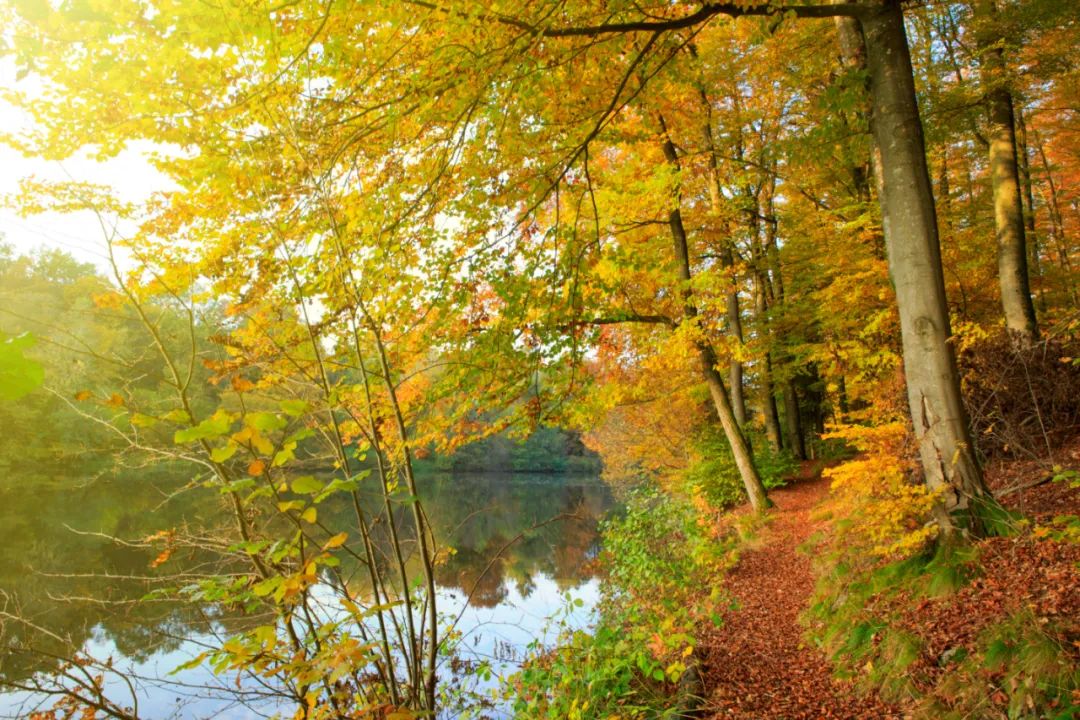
(547,450)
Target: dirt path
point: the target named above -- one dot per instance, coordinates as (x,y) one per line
(756,665)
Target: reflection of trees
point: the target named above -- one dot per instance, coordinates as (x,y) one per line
(66,584)
(481,572)
(547,527)
(577,540)
(72,585)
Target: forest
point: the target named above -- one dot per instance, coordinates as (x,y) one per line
(584,359)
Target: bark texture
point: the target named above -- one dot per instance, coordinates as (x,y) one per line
(911,236)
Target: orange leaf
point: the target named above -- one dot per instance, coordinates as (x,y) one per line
(161,558)
(256,467)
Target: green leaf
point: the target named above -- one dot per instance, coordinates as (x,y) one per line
(337,485)
(293,408)
(285,454)
(192,663)
(301,434)
(238,485)
(177,416)
(214,426)
(19,375)
(223,453)
(265,421)
(306,485)
(266,587)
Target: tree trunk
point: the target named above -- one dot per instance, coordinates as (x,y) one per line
(1005,176)
(762,292)
(853,51)
(911,237)
(734,320)
(740,449)
(769,413)
(814,392)
(792,436)
(794,422)
(842,400)
(768,407)
(772,247)
(1035,255)
(727,262)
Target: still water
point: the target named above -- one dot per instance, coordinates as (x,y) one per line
(72,564)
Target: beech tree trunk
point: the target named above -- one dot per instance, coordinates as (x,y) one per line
(1057,226)
(1005,175)
(727,261)
(740,448)
(1034,253)
(793,421)
(911,237)
(762,293)
(734,319)
(769,412)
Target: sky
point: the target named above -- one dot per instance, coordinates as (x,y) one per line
(130,174)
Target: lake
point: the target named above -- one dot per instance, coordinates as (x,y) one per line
(74,565)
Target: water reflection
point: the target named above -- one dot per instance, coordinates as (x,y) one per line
(518,543)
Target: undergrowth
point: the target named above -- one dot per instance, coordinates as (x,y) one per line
(712,477)
(916,620)
(661,563)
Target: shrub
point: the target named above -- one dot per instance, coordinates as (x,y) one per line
(1017,671)
(885,512)
(936,628)
(661,565)
(713,476)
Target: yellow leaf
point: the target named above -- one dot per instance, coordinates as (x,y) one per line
(336,541)
(107,300)
(309,515)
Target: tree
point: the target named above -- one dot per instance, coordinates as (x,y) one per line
(368,174)
(1005,173)
(910,223)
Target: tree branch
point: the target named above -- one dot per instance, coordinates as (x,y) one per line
(620,319)
(702,14)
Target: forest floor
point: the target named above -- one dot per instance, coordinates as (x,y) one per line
(757,665)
